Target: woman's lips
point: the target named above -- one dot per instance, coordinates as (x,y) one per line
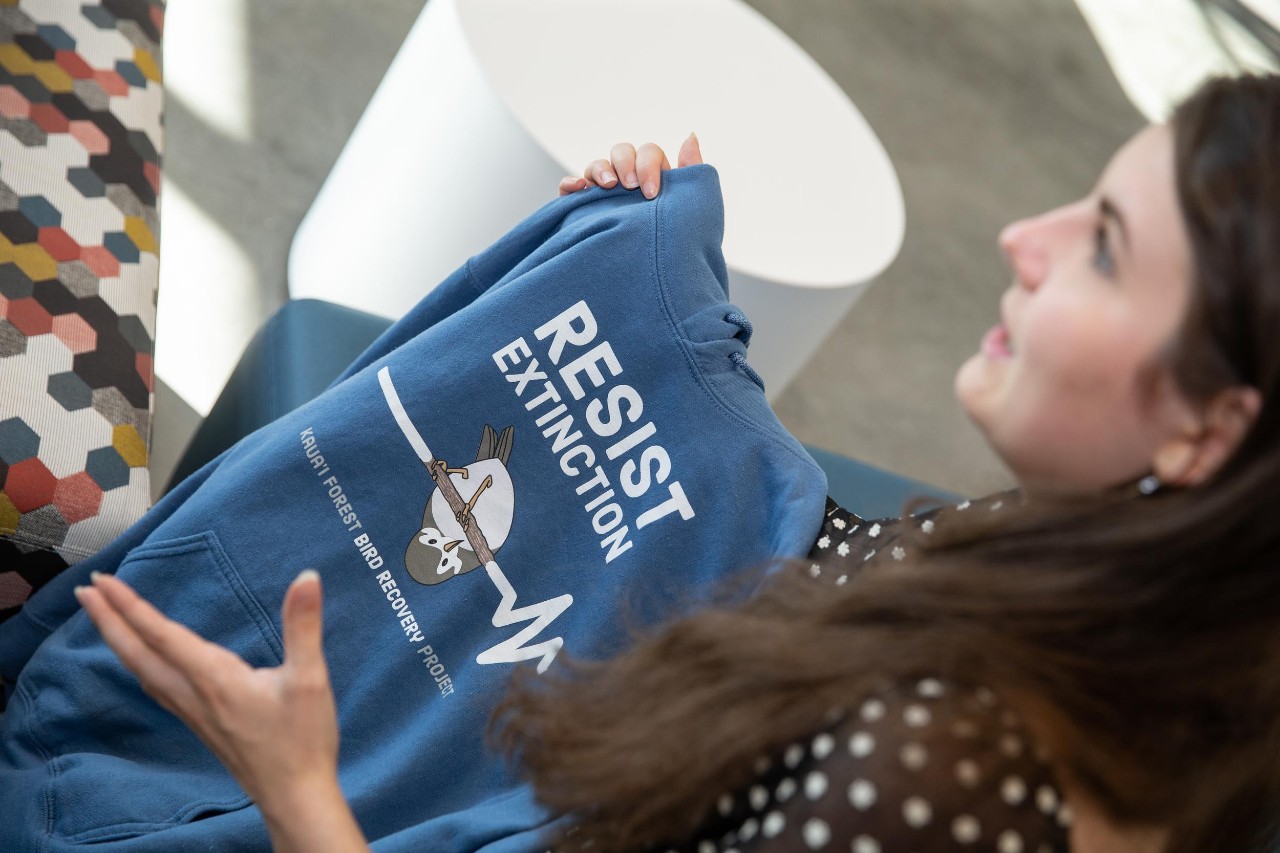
(995,343)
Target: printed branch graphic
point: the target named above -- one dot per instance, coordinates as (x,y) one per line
(511,650)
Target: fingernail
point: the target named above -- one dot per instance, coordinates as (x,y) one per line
(693,136)
(607,177)
(649,190)
(307,574)
(93,576)
(630,181)
(78,592)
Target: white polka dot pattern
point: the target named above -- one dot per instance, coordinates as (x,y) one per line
(846,541)
(1009,842)
(815,785)
(872,710)
(916,716)
(965,829)
(913,756)
(930,688)
(862,795)
(930,766)
(916,811)
(816,833)
(968,773)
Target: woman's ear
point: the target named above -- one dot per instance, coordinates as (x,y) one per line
(1190,458)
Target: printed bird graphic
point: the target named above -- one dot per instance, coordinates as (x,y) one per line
(440,550)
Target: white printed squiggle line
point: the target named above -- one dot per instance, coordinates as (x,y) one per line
(402,418)
(540,615)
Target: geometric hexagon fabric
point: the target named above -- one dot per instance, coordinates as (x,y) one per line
(80,140)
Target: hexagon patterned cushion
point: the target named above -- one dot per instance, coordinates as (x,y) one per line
(80,140)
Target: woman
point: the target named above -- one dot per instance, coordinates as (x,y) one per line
(1124,613)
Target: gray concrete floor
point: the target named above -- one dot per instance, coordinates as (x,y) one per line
(990,110)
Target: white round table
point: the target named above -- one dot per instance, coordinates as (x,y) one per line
(490,102)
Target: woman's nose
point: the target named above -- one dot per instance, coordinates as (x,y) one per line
(1023,244)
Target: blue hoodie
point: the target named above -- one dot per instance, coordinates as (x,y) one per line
(561,442)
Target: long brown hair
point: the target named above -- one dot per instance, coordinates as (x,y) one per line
(1150,625)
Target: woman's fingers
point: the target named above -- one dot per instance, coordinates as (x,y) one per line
(623,157)
(633,168)
(571,184)
(271,727)
(650,161)
(600,173)
(159,678)
(690,152)
(200,663)
(303,628)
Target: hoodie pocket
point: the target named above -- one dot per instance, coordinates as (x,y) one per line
(120,765)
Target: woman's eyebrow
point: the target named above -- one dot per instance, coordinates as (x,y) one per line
(1109,210)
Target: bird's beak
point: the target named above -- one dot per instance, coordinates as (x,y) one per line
(454,544)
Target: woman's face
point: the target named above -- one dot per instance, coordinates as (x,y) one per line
(1071,388)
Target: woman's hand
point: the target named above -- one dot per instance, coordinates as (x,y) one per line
(639,168)
(274,728)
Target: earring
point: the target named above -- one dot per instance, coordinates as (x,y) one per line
(1149,484)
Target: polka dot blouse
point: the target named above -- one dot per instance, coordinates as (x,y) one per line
(846,542)
(919,768)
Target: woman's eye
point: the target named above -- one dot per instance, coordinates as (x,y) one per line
(1102,251)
